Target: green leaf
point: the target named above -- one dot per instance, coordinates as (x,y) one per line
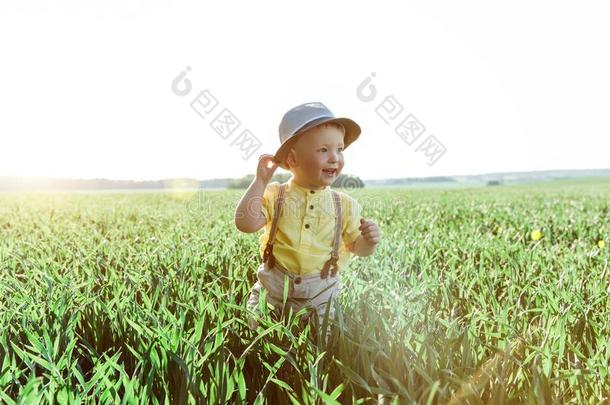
(281,384)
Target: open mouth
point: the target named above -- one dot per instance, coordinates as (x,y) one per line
(329,172)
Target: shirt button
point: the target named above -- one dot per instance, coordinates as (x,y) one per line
(311,207)
(306,226)
(297,280)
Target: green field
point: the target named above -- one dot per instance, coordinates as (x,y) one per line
(140,298)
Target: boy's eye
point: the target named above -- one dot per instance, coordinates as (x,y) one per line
(324,149)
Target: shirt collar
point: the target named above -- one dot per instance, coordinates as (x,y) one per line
(304,190)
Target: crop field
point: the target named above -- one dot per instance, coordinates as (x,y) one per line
(483,295)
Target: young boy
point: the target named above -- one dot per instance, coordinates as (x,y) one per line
(310,230)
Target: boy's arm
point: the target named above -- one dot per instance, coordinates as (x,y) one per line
(368,238)
(362,247)
(248,214)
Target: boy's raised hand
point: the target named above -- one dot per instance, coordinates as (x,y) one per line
(369,231)
(266,168)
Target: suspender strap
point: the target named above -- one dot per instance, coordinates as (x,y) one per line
(334,256)
(279,202)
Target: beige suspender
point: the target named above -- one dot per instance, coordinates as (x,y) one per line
(334,256)
(331,264)
(279,202)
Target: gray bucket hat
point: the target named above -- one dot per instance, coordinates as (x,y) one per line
(304,117)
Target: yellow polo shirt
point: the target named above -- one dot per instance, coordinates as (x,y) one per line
(306,227)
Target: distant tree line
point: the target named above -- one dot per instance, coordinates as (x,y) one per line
(343,181)
(41,183)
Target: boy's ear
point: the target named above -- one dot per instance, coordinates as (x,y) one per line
(291,158)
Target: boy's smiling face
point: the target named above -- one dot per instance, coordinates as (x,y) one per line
(316,159)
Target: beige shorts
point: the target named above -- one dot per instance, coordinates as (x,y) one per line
(310,291)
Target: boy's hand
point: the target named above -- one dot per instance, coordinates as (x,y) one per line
(266,168)
(369,231)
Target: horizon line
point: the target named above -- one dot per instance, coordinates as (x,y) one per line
(249,174)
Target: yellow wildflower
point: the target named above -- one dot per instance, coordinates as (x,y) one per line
(601,244)
(536,234)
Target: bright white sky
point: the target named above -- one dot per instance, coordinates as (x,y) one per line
(85,87)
